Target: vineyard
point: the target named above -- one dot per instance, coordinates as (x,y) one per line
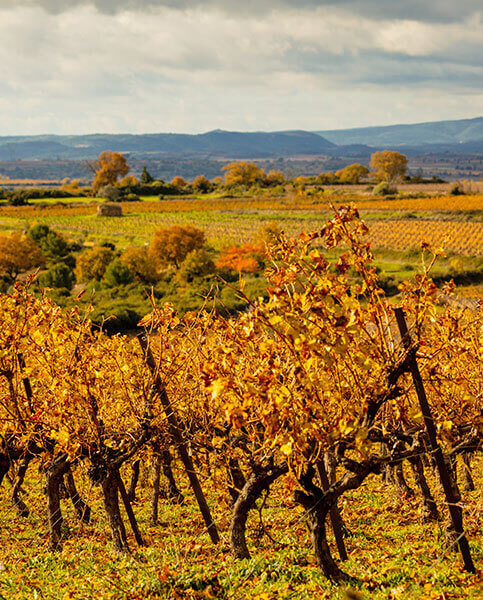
(402,223)
(308,447)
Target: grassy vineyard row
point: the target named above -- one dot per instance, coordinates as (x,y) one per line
(239,220)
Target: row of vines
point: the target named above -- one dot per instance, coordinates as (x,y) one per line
(314,383)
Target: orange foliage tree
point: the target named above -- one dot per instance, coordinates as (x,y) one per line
(243,173)
(171,245)
(109,166)
(245,259)
(389,165)
(140,264)
(18,254)
(92,263)
(179,182)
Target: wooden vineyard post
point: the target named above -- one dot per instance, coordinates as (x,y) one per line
(455,510)
(180,442)
(335,518)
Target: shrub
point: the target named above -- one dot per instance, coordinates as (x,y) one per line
(383,189)
(58,276)
(456,190)
(109,192)
(92,264)
(198,263)
(117,274)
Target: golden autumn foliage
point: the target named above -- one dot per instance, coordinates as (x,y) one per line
(243,173)
(389,165)
(18,253)
(171,245)
(352,173)
(109,167)
(92,263)
(244,259)
(140,264)
(178,181)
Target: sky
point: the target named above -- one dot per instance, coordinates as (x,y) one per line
(190,66)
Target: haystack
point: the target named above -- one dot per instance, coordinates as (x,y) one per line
(109,210)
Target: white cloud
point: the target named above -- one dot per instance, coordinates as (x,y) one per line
(164,69)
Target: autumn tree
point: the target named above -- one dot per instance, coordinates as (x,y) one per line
(128,181)
(171,245)
(274,178)
(108,167)
(353,173)
(18,253)
(179,182)
(389,166)
(141,264)
(92,263)
(244,259)
(201,184)
(243,173)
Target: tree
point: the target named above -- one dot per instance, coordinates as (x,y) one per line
(18,253)
(201,184)
(179,182)
(245,259)
(274,178)
(128,181)
(389,166)
(108,167)
(141,264)
(92,264)
(170,246)
(243,173)
(146,176)
(353,173)
(53,245)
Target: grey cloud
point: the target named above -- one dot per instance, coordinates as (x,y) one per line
(430,11)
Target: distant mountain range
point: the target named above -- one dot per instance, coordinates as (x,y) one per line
(213,144)
(419,134)
(464,136)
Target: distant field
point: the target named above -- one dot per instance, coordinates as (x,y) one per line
(401,223)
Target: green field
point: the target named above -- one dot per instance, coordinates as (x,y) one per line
(391,554)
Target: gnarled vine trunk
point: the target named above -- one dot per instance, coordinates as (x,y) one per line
(251,491)
(429,510)
(18,503)
(110,496)
(53,479)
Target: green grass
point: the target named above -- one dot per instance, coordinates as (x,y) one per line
(391,554)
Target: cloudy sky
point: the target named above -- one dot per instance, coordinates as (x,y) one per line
(80,66)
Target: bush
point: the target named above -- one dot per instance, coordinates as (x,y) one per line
(59,276)
(109,192)
(456,190)
(117,274)
(198,263)
(383,189)
(131,198)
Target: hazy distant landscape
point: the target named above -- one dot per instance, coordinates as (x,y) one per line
(449,149)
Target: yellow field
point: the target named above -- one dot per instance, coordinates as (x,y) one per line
(454,222)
